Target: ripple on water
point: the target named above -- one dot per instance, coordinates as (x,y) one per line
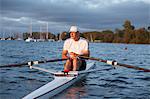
(22,77)
(117,81)
(13,82)
(121,77)
(120,83)
(143,78)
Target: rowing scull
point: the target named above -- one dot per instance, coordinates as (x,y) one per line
(59,84)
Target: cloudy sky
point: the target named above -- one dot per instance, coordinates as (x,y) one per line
(88,15)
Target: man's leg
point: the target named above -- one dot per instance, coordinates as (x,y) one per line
(76,64)
(68,64)
(83,65)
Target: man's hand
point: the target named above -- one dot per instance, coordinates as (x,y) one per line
(73,55)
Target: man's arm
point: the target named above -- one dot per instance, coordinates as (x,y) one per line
(64,54)
(86,53)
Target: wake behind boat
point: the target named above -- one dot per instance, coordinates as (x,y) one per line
(61,82)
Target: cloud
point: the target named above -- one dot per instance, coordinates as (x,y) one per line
(87,14)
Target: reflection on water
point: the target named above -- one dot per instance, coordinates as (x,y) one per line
(119,83)
(76,91)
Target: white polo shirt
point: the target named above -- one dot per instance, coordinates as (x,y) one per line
(76,46)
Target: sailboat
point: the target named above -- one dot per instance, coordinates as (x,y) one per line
(91,38)
(51,40)
(3,38)
(59,38)
(40,40)
(30,39)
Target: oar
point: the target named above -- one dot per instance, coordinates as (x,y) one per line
(115,63)
(31,63)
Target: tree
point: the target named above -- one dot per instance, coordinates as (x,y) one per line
(142,36)
(118,36)
(64,35)
(128,28)
(108,36)
(127,25)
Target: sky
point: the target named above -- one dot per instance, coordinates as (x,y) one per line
(88,15)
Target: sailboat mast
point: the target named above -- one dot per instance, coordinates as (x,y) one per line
(91,37)
(47,31)
(31,29)
(60,36)
(40,32)
(3,34)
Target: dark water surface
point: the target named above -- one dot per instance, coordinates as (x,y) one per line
(119,83)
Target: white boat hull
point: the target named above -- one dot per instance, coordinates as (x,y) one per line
(30,40)
(56,86)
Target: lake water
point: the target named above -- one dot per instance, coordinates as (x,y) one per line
(119,83)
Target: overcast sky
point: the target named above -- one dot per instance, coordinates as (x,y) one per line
(88,15)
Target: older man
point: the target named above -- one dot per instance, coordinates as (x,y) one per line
(74,47)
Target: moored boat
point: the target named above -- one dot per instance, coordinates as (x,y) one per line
(30,40)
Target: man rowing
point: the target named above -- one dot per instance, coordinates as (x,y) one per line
(74,47)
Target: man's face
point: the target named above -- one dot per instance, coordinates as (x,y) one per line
(74,35)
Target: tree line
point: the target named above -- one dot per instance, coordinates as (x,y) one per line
(126,35)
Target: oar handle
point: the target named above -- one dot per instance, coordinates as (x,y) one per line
(115,63)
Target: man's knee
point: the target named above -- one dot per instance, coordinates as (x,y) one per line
(68,65)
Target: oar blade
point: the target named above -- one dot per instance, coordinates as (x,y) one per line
(13,65)
(133,67)
(31,63)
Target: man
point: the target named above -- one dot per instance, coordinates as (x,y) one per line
(74,47)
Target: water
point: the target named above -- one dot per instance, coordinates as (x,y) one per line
(119,83)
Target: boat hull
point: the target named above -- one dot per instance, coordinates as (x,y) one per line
(56,86)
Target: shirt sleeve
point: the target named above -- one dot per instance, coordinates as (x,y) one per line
(86,45)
